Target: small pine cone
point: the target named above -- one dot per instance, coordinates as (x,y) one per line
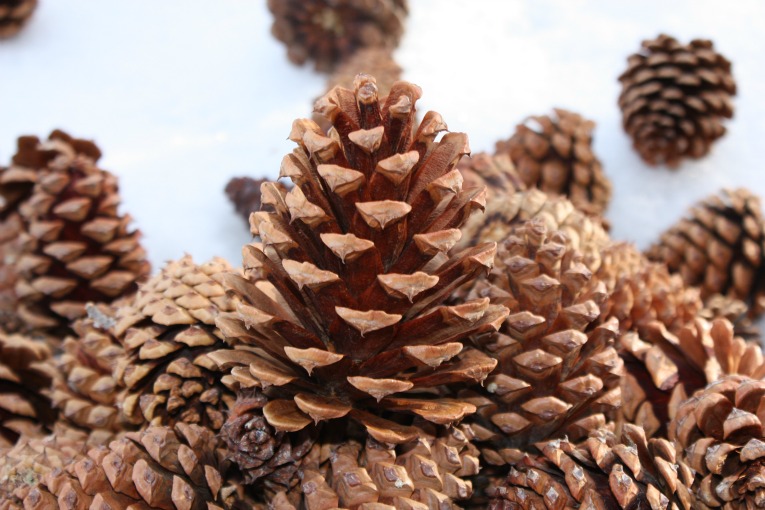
(735,311)
(329,31)
(558,371)
(719,434)
(554,154)
(662,369)
(244,193)
(720,248)
(86,395)
(508,212)
(168,331)
(76,248)
(157,468)
(603,472)
(26,374)
(14,14)
(674,99)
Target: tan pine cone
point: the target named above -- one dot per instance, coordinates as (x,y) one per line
(674,99)
(554,153)
(86,395)
(26,374)
(157,468)
(558,371)
(604,472)
(662,368)
(14,14)
(75,246)
(327,32)
(720,247)
(719,434)
(342,308)
(168,332)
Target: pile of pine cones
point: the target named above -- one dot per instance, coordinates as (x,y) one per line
(412,327)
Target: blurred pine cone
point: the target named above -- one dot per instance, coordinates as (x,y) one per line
(328,31)
(674,99)
(554,154)
(244,194)
(75,247)
(14,14)
(342,310)
(720,248)
(168,331)
(603,472)
(373,61)
(719,434)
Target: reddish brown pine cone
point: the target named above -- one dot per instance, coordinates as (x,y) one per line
(604,472)
(719,434)
(14,14)
(328,31)
(720,248)
(554,153)
(74,245)
(674,99)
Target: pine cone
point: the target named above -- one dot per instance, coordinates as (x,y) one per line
(735,311)
(244,193)
(26,374)
(159,467)
(86,394)
(604,472)
(168,331)
(720,435)
(342,303)
(328,32)
(554,154)
(14,14)
(76,247)
(508,212)
(674,99)
(558,372)
(662,369)
(720,248)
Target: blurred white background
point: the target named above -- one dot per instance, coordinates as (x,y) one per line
(181,95)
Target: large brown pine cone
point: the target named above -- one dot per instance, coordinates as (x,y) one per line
(14,14)
(604,472)
(674,99)
(168,331)
(720,247)
(328,31)
(159,467)
(75,246)
(720,435)
(26,375)
(554,154)
(342,304)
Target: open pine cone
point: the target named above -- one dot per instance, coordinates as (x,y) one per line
(328,31)
(674,99)
(14,14)
(720,435)
(168,332)
(342,312)
(554,154)
(720,248)
(74,245)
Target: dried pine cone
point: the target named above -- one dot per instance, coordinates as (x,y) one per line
(554,154)
(14,14)
(328,31)
(168,331)
(719,434)
(604,472)
(720,248)
(342,311)
(75,246)
(26,374)
(159,467)
(674,99)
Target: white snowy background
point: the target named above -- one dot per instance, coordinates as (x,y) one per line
(182,95)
